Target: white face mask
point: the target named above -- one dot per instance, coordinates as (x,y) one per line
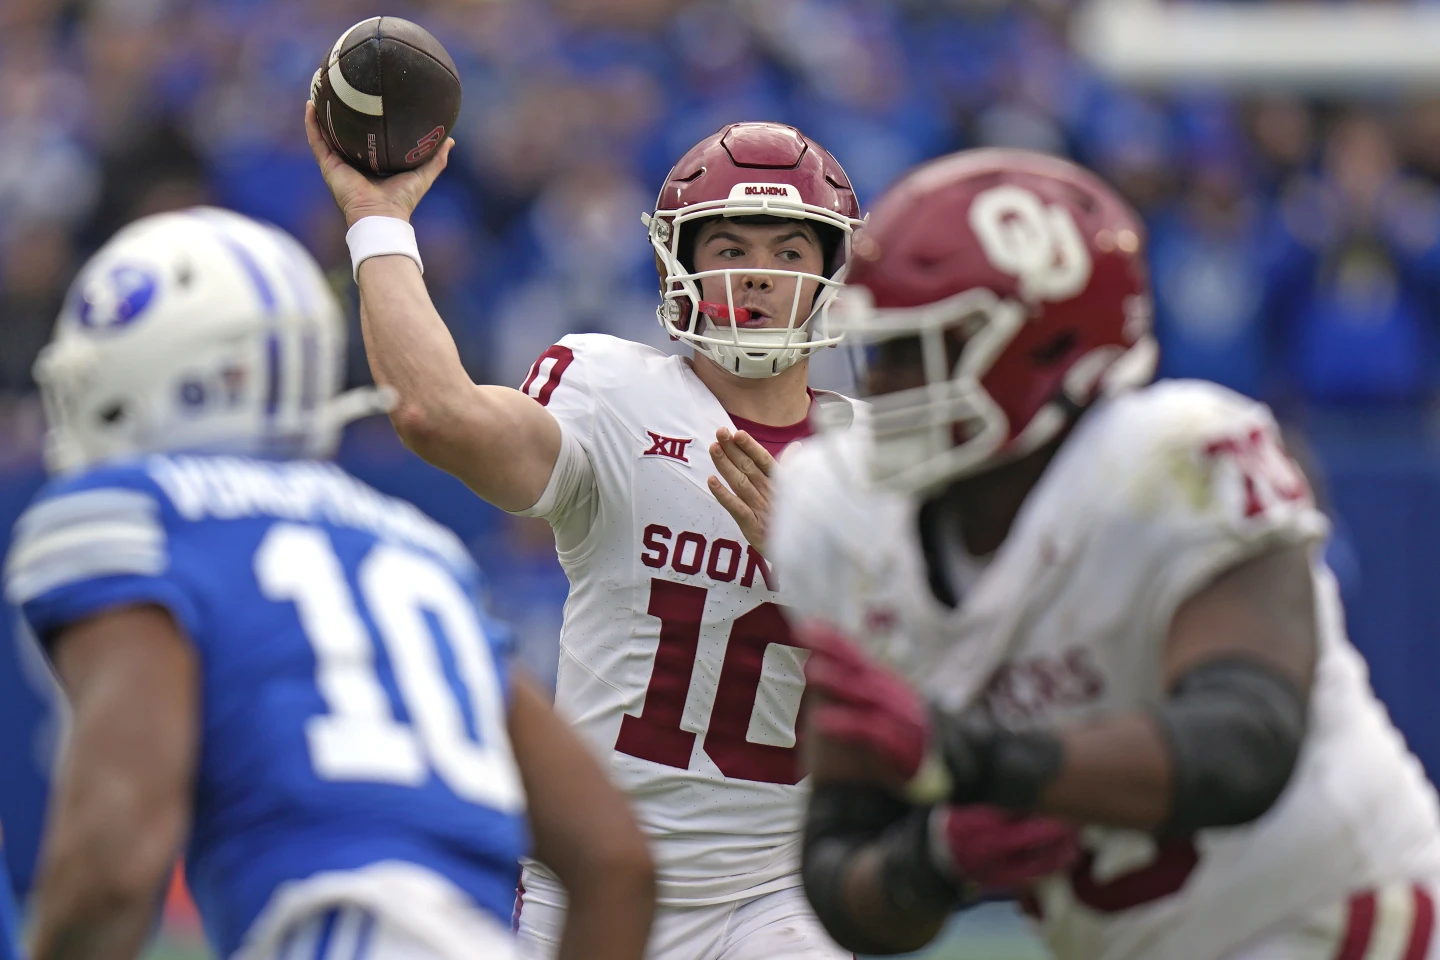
(949,426)
(714,329)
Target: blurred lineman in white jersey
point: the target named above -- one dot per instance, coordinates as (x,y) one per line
(676,664)
(1035,582)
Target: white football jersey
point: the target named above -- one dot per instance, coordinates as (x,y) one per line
(1154,494)
(675,660)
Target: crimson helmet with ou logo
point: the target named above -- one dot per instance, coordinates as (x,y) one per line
(992,293)
(750,170)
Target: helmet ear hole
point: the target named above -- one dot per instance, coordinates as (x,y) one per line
(112,414)
(1057,348)
(686,243)
(832,247)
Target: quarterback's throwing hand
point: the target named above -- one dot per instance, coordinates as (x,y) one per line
(748,468)
(360,196)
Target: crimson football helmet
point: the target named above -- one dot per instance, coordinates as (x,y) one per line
(992,294)
(750,170)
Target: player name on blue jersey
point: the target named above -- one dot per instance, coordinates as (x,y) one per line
(228,488)
(355,696)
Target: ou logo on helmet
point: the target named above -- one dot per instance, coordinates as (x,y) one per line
(116,298)
(1038,244)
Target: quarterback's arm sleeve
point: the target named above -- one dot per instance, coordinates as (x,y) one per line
(560,380)
(570,497)
(79,554)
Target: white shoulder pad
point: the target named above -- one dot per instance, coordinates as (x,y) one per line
(575,375)
(1193,451)
(1181,481)
(108,531)
(835,411)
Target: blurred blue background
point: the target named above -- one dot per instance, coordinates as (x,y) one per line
(1295,241)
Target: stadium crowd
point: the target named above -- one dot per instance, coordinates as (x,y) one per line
(1294,242)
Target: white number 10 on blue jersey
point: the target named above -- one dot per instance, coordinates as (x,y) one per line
(359,738)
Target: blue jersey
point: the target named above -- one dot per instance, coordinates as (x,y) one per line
(9,918)
(30,725)
(354,696)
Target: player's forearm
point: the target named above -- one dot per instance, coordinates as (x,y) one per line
(583,831)
(1114,770)
(1117,772)
(891,928)
(94,926)
(408,345)
(499,442)
(105,867)
(608,918)
(1227,769)
(868,873)
(609,882)
(1218,752)
(121,803)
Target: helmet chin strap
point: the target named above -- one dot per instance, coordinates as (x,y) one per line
(359,403)
(351,405)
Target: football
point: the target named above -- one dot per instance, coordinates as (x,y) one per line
(386,95)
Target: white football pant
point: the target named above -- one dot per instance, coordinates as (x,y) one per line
(355,933)
(772,926)
(1395,922)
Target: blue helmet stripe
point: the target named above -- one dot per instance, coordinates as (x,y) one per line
(272,373)
(248,264)
(309,361)
(288,251)
(327,927)
(251,266)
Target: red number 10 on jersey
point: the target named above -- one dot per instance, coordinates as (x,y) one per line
(656,735)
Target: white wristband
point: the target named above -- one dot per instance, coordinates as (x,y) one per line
(381,237)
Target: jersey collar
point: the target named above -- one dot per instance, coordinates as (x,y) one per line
(775,439)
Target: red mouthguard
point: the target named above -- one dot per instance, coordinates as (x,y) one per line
(721,312)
